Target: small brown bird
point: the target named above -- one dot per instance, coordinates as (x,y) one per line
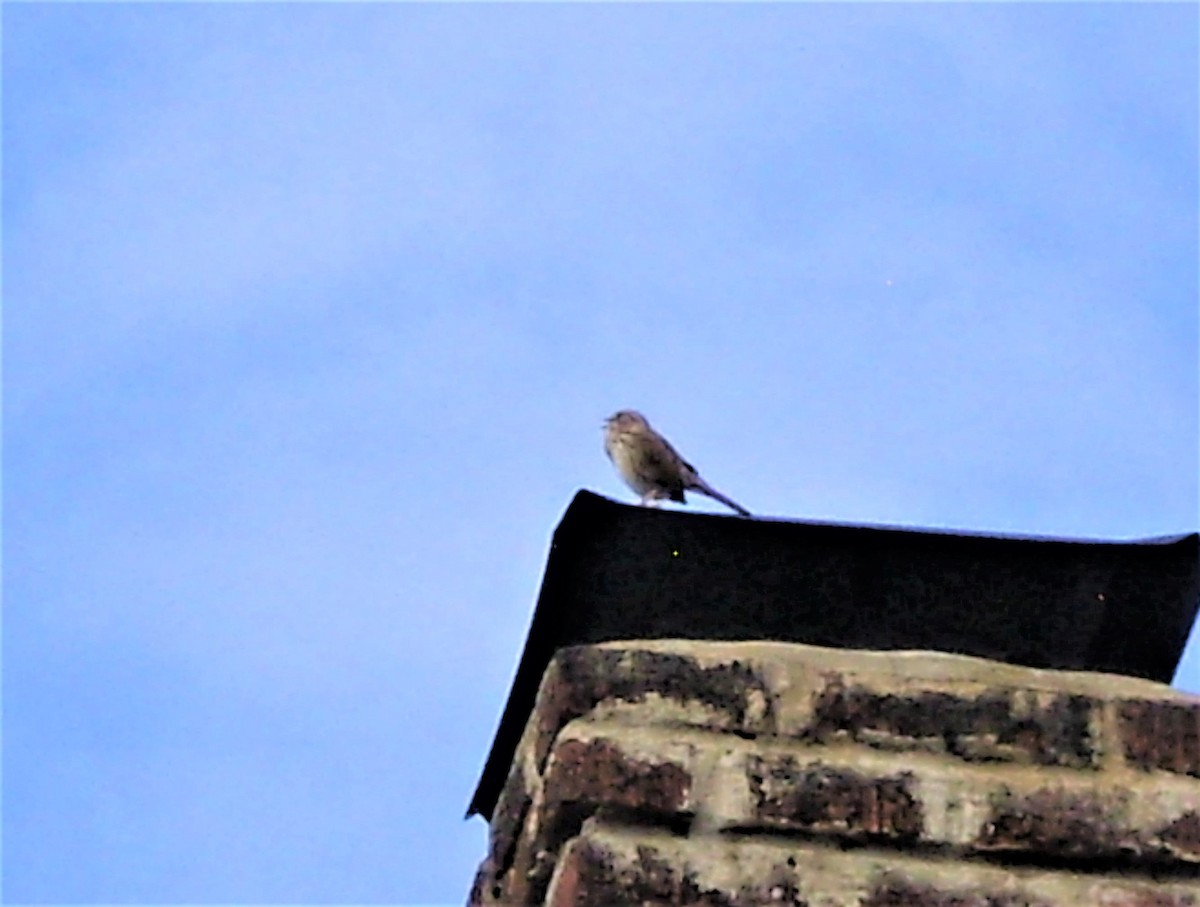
(650,465)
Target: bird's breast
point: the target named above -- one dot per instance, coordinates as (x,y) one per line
(626,456)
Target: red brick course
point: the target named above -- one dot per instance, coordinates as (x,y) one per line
(608,866)
(738,774)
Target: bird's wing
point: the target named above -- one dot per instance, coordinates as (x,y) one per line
(658,462)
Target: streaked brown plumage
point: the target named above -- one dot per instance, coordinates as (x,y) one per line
(650,465)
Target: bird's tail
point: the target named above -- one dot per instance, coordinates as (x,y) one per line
(704,488)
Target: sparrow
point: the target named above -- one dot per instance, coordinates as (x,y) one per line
(650,465)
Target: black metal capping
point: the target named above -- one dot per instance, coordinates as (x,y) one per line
(620,572)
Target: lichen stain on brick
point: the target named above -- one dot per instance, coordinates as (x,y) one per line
(990,727)
(820,798)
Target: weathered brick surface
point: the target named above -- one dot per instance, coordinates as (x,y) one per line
(500,878)
(1142,896)
(609,866)
(726,696)
(902,892)
(1181,836)
(819,798)
(669,776)
(1161,735)
(589,874)
(1054,822)
(1000,725)
(598,772)
(1086,784)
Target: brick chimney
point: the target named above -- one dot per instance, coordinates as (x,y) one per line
(725,712)
(736,774)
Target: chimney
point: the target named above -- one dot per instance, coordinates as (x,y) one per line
(723,712)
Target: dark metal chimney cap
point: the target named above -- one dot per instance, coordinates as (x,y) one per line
(620,572)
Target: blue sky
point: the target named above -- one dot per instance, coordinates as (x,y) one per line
(313,314)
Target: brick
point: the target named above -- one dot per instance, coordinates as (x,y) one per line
(609,866)
(901,892)
(508,818)
(478,893)
(1161,735)
(996,725)
(1054,822)
(494,881)
(746,770)
(675,777)
(598,771)
(731,695)
(585,777)
(819,798)
(1142,896)
(1182,837)
(1089,823)
(590,877)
